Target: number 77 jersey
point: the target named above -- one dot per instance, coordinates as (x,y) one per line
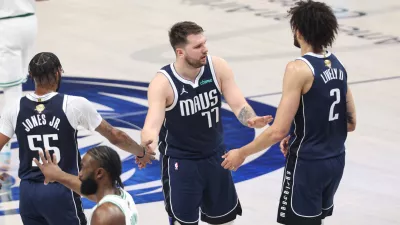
(48,122)
(320,124)
(192,127)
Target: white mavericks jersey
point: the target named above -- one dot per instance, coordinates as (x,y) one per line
(125,203)
(10,8)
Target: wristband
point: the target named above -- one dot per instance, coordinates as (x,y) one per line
(144,153)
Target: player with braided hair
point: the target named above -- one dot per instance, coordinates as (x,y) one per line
(99,180)
(46,119)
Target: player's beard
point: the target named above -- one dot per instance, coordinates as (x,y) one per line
(89,185)
(193,63)
(296,42)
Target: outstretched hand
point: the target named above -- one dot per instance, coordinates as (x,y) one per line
(49,166)
(149,153)
(233,160)
(259,121)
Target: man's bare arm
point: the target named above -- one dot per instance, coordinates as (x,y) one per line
(53,173)
(295,77)
(157,93)
(119,138)
(3,140)
(351,111)
(72,182)
(245,114)
(232,93)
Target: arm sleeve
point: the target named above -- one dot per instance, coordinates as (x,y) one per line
(81,112)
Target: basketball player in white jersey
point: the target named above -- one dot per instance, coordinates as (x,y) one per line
(18,28)
(99,180)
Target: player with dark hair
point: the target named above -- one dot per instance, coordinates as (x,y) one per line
(43,69)
(46,119)
(100,181)
(185,99)
(319,103)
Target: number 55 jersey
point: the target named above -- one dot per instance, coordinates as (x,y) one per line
(48,122)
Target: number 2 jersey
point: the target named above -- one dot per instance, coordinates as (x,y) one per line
(48,122)
(320,124)
(192,127)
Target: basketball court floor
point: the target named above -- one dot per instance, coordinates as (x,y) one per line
(110,50)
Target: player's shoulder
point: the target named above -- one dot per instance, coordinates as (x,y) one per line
(218,61)
(15,103)
(128,196)
(73,99)
(13,106)
(221,67)
(108,213)
(335,57)
(11,110)
(161,80)
(77,102)
(299,68)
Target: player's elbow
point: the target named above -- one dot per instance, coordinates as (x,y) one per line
(351,127)
(117,136)
(278,134)
(351,122)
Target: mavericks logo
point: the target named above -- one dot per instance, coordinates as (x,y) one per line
(124,105)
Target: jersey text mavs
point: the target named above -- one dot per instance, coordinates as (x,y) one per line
(191,146)
(192,126)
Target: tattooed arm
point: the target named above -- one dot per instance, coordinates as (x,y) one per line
(297,74)
(245,114)
(232,94)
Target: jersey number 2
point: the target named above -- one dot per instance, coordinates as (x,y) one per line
(334,116)
(46,139)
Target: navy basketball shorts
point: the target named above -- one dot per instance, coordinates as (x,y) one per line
(51,204)
(308,189)
(201,185)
